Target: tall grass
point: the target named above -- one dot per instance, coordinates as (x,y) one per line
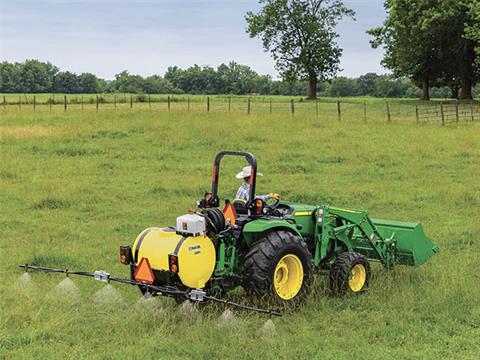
(76,185)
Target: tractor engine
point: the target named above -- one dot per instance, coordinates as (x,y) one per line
(184,255)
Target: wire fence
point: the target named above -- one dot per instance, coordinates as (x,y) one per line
(448,113)
(341,110)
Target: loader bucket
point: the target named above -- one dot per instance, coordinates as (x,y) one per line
(413,246)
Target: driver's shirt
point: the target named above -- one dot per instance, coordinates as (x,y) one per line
(243,193)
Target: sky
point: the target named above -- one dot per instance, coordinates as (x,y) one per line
(106,37)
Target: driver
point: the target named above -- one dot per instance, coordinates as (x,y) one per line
(243,192)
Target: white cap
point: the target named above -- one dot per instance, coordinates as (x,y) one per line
(246,172)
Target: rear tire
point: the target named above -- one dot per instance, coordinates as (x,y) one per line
(350,273)
(278,265)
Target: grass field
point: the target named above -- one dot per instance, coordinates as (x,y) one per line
(75,185)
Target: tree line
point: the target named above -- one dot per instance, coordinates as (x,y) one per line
(33,76)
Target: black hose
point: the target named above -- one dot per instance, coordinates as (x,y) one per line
(215,219)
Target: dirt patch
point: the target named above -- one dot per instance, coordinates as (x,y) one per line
(26,131)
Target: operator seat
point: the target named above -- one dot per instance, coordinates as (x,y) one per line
(240,206)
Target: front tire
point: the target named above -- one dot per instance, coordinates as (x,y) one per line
(278,265)
(350,273)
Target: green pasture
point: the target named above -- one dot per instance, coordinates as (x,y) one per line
(74,185)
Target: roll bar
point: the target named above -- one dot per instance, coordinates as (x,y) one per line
(216,172)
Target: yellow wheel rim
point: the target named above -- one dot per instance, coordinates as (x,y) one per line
(288,277)
(357,278)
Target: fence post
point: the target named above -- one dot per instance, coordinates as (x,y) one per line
(292,106)
(208,103)
(365,111)
(229,104)
(131,101)
(271,106)
(188,104)
(96,104)
(456,113)
(248,106)
(339,111)
(34,103)
(64,102)
(115,102)
(471,111)
(389,119)
(4,102)
(168,102)
(316,108)
(50,104)
(416,114)
(442,113)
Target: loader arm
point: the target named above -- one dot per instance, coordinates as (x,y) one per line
(384,247)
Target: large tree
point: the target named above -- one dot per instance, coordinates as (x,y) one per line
(472,30)
(426,41)
(453,18)
(300,34)
(411,49)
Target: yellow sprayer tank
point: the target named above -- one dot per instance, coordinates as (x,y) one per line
(196,254)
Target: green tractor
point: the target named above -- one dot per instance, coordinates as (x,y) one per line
(270,249)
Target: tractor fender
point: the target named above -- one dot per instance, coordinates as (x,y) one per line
(263,225)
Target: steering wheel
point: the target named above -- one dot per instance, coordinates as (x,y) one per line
(270,206)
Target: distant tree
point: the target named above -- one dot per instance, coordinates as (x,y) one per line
(157,85)
(239,79)
(301,36)
(440,92)
(88,83)
(66,82)
(103,85)
(9,77)
(366,84)
(386,86)
(36,77)
(342,86)
(476,91)
(127,83)
(262,84)
(412,91)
